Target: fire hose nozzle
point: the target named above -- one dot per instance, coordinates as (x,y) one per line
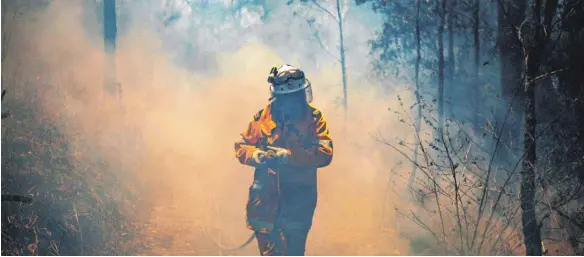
(269,157)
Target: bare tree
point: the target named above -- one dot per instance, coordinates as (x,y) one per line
(417,92)
(455,177)
(441,65)
(536,43)
(451,58)
(477,51)
(109,38)
(338,18)
(517,192)
(342,53)
(511,15)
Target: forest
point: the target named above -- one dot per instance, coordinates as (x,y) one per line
(457,123)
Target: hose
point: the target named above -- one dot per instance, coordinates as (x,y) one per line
(249,240)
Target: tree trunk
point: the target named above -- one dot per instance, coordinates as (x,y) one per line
(342,53)
(417,93)
(531,231)
(442,11)
(441,67)
(109,37)
(477,50)
(510,53)
(534,54)
(511,13)
(451,60)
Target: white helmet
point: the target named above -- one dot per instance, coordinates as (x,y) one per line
(288,79)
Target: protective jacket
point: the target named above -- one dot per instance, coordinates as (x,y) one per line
(311,147)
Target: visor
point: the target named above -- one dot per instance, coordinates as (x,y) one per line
(285,76)
(307,90)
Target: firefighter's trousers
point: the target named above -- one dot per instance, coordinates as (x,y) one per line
(295,212)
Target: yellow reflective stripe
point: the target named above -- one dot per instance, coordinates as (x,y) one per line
(328,143)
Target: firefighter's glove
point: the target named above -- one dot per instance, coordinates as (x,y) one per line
(259,157)
(282,156)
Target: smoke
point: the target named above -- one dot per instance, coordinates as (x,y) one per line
(169,140)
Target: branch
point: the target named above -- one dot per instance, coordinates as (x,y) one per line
(424,225)
(325,10)
(456,188)
(425,154)
(516,31)
(384,141)
(494,248)
(319,40)
(575,222)
(547,74)
(489,169)
(517,164)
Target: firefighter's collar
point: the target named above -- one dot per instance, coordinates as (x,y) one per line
(266,122)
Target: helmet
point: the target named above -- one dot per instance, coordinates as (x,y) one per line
(288,79)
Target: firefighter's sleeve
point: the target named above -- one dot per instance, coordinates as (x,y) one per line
(320,153)
(245,146)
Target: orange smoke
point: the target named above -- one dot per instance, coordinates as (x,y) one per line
(169,140)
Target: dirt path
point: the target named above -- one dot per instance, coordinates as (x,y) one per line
(339,229)
(168,234)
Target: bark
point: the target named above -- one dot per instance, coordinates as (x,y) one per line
(572,25)
(509,48)
(451,60)
(417,93)
(511,14)
(342,53)
(534,55)
(477,92)
(441,66)
(531,230)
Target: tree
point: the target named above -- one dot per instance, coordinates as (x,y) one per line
(338,18)
(441,65)
(477,56)
(511,15)
(109,40)
(540,60)
(417,93)
(451,27)
(342,53)
(397,47)
(536,44)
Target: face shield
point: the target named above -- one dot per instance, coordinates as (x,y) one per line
(289,107)
(290,92)
(292,87)
(308,92)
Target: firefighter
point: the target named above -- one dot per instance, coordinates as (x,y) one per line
(286,142)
